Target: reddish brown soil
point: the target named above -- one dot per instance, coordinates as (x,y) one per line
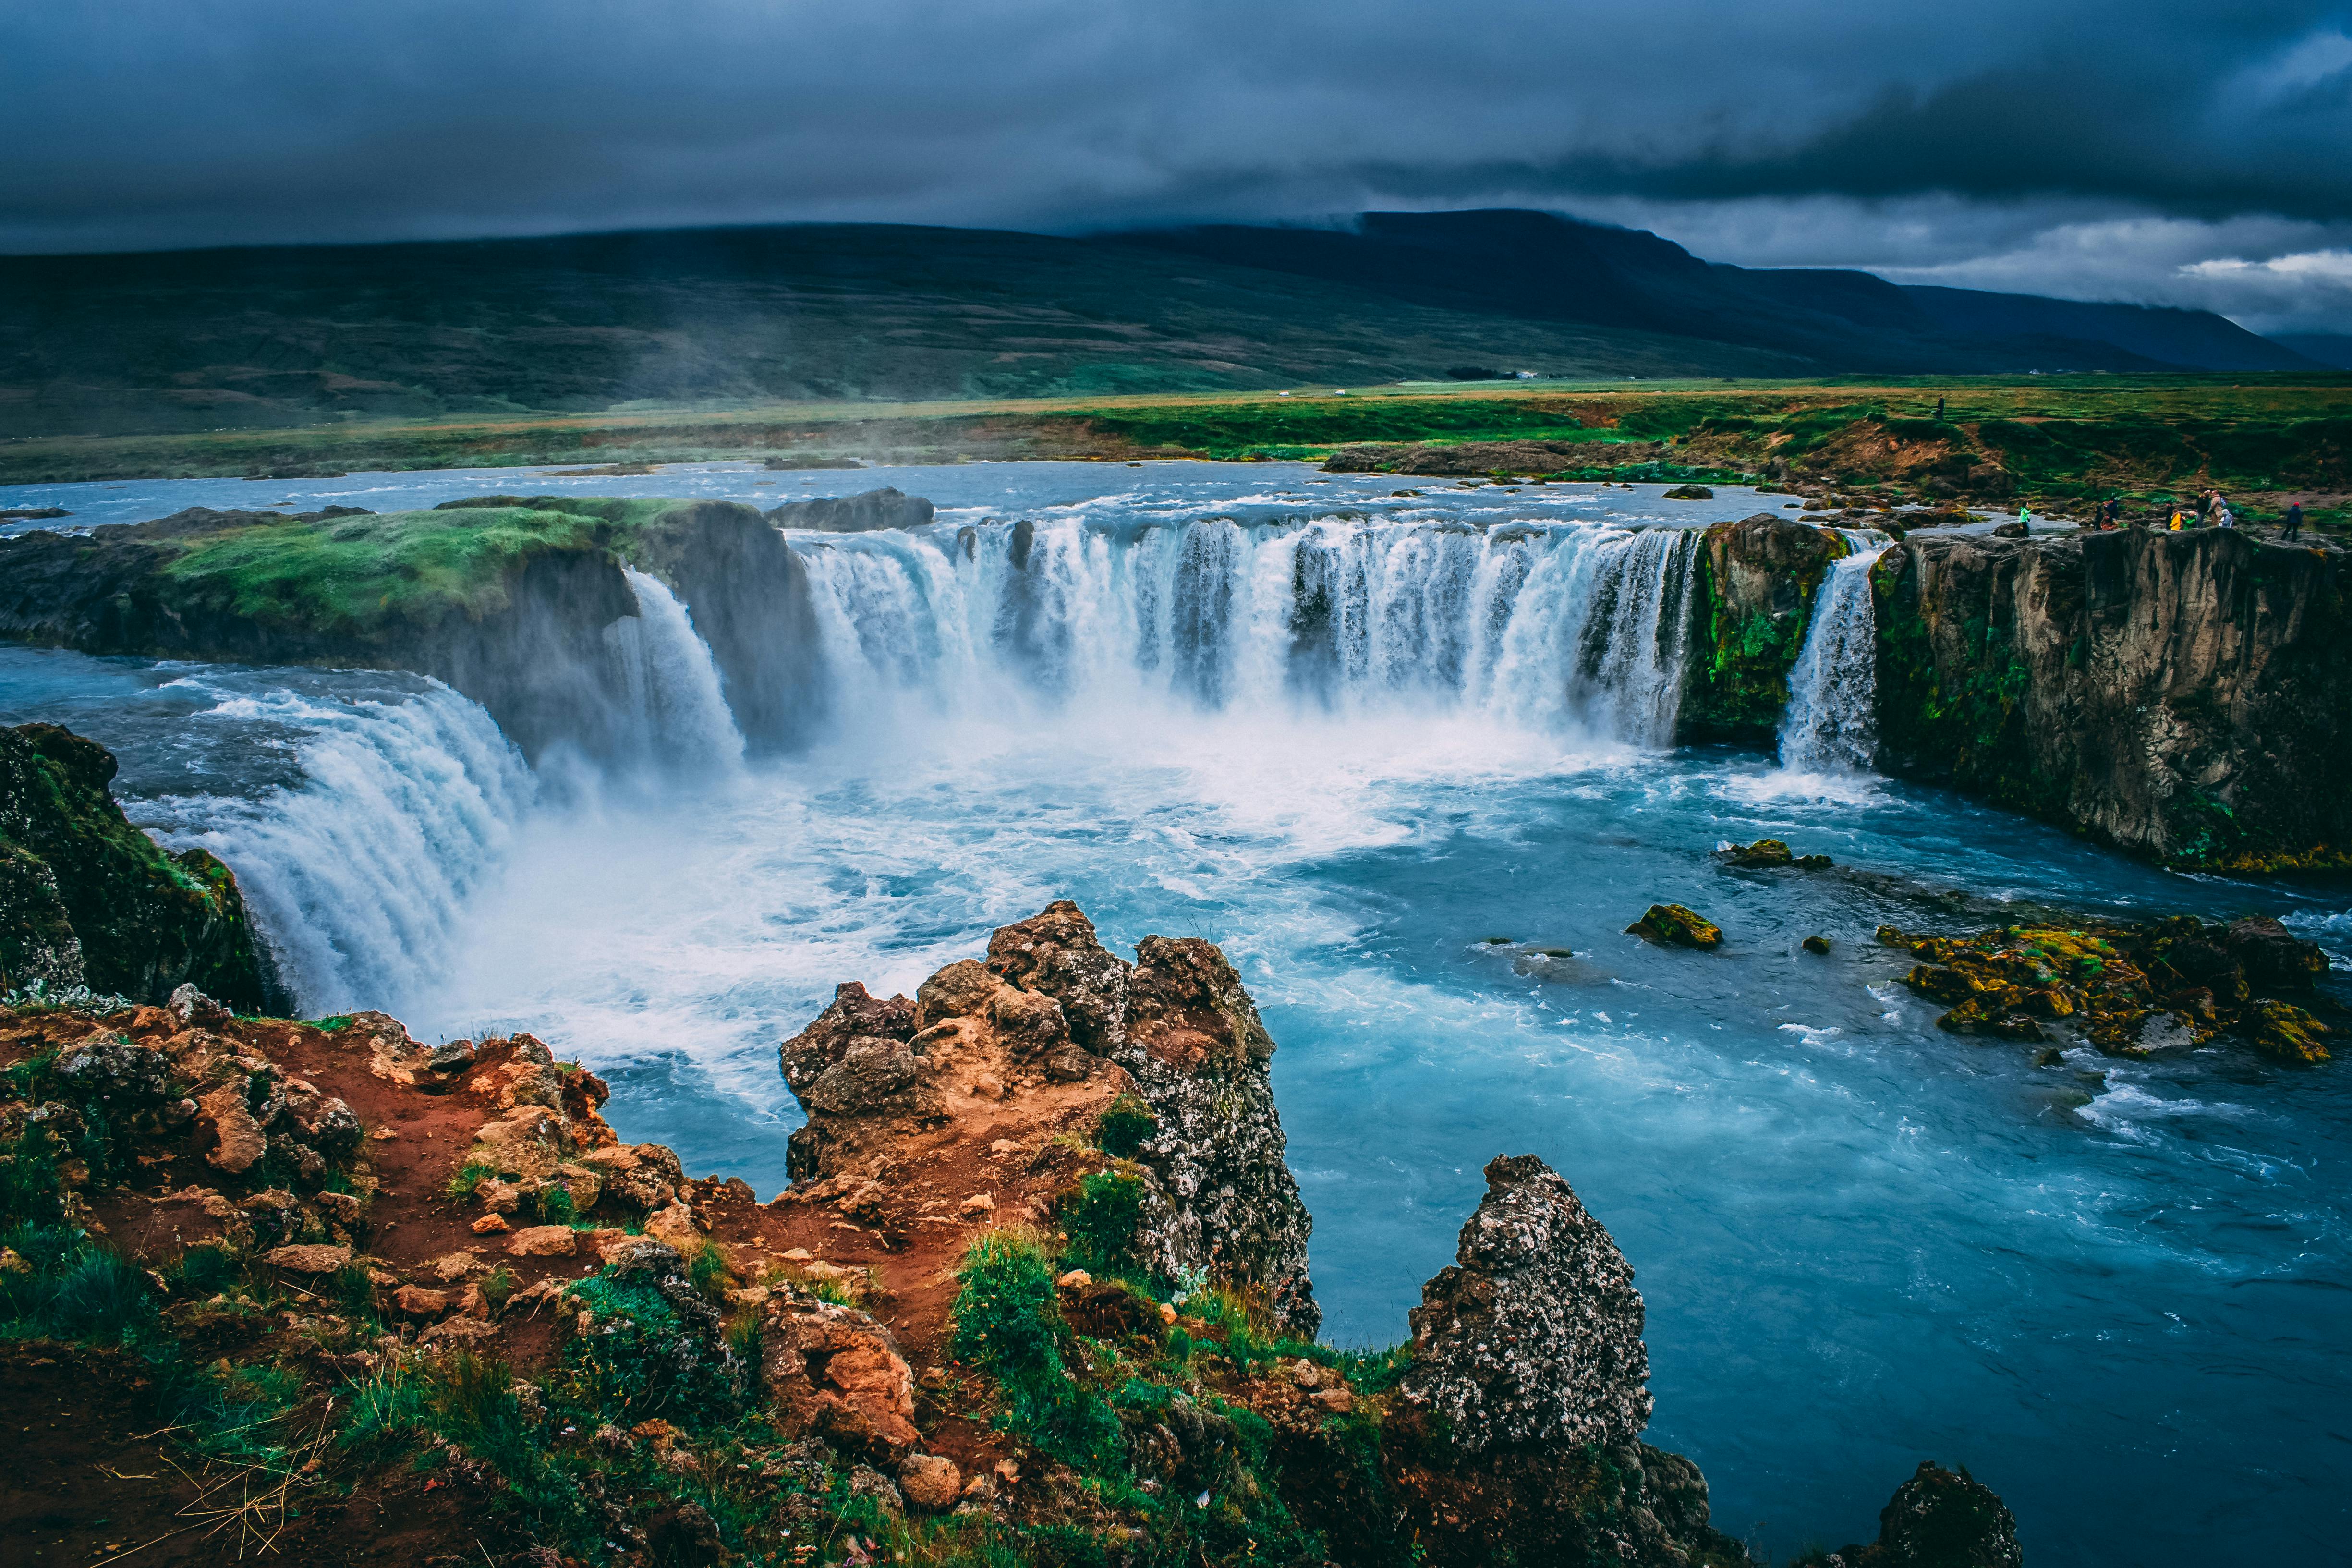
(1002,1143)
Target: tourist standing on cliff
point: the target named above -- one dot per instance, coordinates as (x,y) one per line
(2110,514)
(2291,526)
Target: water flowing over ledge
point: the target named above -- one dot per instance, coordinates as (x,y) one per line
(1551,629)
(1832,719)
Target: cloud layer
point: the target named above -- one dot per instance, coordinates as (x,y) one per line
(2145,150)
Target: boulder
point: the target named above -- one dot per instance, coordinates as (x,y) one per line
(865,513)
(2273,958)
(1690,493)
(543,1241)
(1763,852)
(130,1076)
(837,1372)
(1672,925)
(2285,1033)
(931,1482)
(417,1301)
(314,1258)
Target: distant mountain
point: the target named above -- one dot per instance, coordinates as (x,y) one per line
(1544,267)
(2191,339)
(199,339)
(282,336)
(2327,348)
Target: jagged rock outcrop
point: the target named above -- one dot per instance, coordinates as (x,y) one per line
(86,899)
(2183,695)
(1050,1031)
(1939,1520)
(1528,1393)
(888,507)
(1535,1333)
(1224,1201)
(1757,580)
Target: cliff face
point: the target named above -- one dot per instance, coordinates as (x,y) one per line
(88,899)
(506,598)
(1757,580)
(2185,695)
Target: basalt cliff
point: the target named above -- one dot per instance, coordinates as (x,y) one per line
(2183,695)
(515,601)
(2186,697)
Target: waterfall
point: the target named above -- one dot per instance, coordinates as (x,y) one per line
(354,875)
(1556,627)
(674,717)
(1831,725)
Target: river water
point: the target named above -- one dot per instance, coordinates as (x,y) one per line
(1406,759)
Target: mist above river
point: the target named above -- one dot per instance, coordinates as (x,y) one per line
(1417,814)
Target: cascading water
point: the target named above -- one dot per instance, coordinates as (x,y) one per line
(1544,628)
(356,873)
(674,716)
(1831,726)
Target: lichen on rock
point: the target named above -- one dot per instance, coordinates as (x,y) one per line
(1535,1333)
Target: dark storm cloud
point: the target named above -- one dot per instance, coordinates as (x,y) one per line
(143,123)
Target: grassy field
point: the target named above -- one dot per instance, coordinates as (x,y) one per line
(2053,440)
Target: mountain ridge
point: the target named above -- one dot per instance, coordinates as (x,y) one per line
(283,336)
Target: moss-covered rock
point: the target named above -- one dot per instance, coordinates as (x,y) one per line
(2129,989)
(1758,577)
(1672,925)
(86,899)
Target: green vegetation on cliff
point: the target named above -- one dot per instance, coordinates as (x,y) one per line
(1757,580)
(352,575)
(87,899)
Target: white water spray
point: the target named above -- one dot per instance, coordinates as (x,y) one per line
(1831,726)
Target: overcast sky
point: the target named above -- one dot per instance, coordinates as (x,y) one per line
(2160,151)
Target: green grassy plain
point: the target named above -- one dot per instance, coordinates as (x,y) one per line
(2053,440)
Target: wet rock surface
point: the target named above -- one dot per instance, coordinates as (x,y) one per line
(888,507)
(1672,925)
